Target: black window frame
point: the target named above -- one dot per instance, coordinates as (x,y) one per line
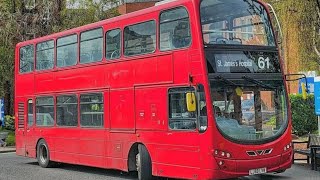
(33,57)
(120,43)
(101,111)
(73,103)
(91,39)
(68,44)
(154,43)
(190,29)
(53,111)
(31,112)
(53,56)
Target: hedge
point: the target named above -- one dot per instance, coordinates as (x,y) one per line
(304,119)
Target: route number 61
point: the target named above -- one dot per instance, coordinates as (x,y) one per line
(264,63)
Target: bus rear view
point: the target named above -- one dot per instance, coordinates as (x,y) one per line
(249,103)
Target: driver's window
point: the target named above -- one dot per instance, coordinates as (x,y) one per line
(113,44)
(179,117)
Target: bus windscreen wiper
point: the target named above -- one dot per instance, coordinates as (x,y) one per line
(225,80)
(258,82)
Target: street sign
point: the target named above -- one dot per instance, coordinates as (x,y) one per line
(2,111)
(317,95)
(310,81)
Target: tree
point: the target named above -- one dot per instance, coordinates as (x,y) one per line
(81,12)
(316,33)
(28,19)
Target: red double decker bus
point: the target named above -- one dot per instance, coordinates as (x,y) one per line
(188,89)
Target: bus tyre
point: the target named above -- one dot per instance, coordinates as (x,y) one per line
(144,165)
(43,154)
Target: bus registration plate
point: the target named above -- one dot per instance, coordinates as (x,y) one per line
(257,171)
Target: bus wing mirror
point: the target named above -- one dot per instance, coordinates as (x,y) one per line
(304,86)
(191,102)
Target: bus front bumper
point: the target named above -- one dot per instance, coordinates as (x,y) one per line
(238,168)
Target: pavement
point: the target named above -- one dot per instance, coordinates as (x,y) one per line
(7,149)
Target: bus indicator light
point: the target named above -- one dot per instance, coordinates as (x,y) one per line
(222,154)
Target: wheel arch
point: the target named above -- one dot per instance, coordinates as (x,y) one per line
(132,155)
(37,145)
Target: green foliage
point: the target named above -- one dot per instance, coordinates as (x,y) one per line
(298,19)
(304,119)
(87,11)
(272,121)
(9,122)
(11,140)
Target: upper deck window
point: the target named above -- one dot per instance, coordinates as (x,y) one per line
(26,59)
(140,38)
(67,51)
(91,45)
(241,22)
(45,55)
(113,44)
(174,29)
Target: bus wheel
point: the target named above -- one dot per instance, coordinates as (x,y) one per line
(143,162)
(43,154)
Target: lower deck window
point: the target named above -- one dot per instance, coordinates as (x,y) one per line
(45,111)
(67,110)
(91,110)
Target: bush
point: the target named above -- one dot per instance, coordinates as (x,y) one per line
(304,119)
(9,122)
(11,141)
(272,121)
(11,137)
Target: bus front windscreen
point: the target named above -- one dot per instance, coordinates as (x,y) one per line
(239,22)
(249,109)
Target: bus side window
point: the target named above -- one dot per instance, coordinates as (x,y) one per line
(140,38)
(202,109)
(113,44)
(45,111)
(91,110)
(45,55)
(179,117)
(30,113)
(67,110)
(67,51)
(174,29)
(26,59)
(91,45)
